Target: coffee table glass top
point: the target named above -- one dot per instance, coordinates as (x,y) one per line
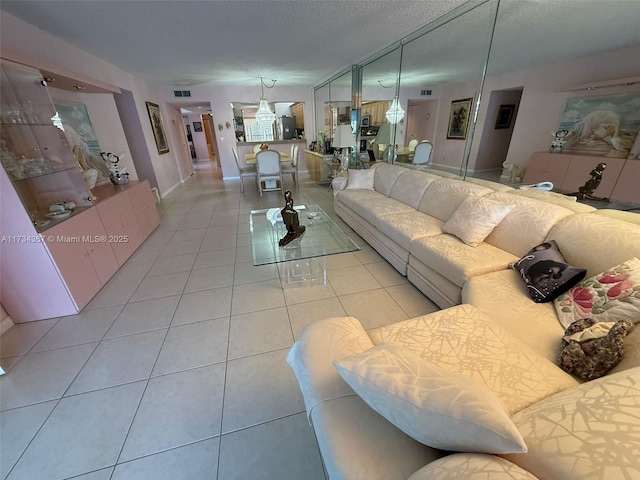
(321,237)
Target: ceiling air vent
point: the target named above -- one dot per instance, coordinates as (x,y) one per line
(182,93)
(425,92)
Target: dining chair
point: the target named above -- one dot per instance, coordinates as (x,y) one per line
(422,154)
(244,172)
(292,168)
(269,170)
(413,144)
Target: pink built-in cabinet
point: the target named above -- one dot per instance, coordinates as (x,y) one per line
(51,267)
(57,272)
(569,172)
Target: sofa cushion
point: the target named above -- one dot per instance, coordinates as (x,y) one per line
(591,431)
(502,297)
(546,273)
(410,186)
(596,242)
(528,223)
(386,175)
(471,466)
(498,187)
(457,261)
(606,297)
(405,227)
(463,341)
(432,405)
(443,196)
(349,198)
(554,198)
(379,207)
(475,218)
(310,357)
(360,179)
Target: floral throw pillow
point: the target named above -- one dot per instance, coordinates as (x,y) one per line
(607,297)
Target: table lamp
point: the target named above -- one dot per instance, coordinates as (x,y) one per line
(343,138)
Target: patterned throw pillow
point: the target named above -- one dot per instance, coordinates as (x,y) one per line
(546,272)
(607,297)
(434,406)
(475,218)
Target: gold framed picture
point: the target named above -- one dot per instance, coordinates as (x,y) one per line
(459,119)
(157,127)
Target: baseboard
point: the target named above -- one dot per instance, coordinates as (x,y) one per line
(171,189)
(5,324)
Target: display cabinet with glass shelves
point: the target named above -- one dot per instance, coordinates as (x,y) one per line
(34,151)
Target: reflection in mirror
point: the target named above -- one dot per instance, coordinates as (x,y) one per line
(534,73)
(289,122)
(441,78)
(379,87)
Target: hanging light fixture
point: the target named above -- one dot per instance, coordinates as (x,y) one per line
(264,116)
(395,112)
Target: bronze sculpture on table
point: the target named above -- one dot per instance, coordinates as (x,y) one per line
(291,221)
(585,192)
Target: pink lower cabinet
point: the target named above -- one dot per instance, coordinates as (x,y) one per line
(121,226)
(144,206)
(83,257)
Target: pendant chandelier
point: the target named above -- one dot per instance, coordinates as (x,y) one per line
(264,116)
(395,112)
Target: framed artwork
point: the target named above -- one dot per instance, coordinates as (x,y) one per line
(603,126)
(197,126)
(459,119)
(366,119)
(82,139)
(157,127)
(505,115)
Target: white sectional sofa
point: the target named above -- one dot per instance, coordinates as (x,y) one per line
(489,332)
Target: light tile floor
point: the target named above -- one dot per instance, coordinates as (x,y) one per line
(176,369)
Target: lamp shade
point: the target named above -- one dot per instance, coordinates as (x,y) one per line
(343,137)
(395,112)
(384,134)
(264,116)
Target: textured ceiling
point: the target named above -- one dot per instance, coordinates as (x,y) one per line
(299,43)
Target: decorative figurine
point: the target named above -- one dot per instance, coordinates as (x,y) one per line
(558,144)
(291,221)
(585,192)
(117,175)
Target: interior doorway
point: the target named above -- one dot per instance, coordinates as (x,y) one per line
(502,112)
(419,124)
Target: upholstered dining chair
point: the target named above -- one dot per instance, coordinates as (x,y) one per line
(422,154)
(292,168)
(269,170)
(413,144)
(248,171)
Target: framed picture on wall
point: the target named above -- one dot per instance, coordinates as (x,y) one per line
(459,119)
(505,115)
(366,120)
(157,127)
(197,126)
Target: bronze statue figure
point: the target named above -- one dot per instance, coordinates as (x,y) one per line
(291,221)
(585,192)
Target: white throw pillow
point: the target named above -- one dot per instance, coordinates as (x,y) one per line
(361,179)
(606,297)
(475,218)
(435,407)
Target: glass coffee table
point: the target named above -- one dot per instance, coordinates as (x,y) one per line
(303,258)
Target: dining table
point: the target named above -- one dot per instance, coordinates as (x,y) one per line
(250,158)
